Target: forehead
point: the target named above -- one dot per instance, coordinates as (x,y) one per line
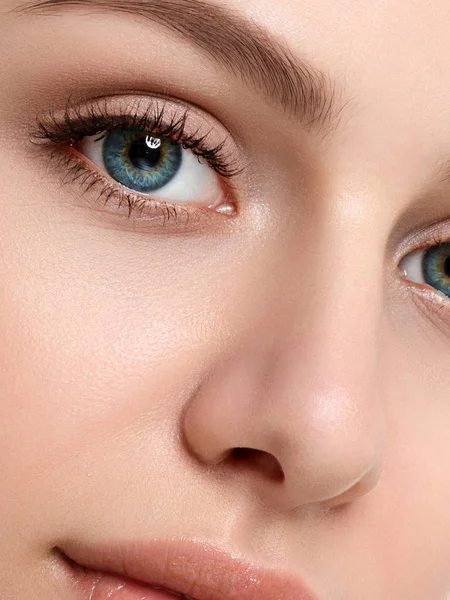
(411,37)
(392,57)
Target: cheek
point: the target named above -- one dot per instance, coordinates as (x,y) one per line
(414,492)
(99,327)
(396,538)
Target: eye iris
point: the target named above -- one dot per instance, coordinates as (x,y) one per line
(139,161)
(436,267)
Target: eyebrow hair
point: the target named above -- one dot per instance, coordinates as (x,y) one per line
(238,44)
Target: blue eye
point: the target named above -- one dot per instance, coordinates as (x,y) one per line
(141,162)
(430,266)
(155,166)
(436,268)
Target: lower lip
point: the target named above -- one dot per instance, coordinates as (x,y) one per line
(92,573)
(94,585)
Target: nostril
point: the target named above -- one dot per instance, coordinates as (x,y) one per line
(258,459)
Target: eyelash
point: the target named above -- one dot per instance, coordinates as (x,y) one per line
(77,123)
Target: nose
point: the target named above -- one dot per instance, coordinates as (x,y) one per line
(293,408)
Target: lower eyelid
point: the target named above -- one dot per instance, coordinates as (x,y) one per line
(433,305)
(152,216)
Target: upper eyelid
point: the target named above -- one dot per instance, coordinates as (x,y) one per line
(97,114)
(86,110)
(422,238)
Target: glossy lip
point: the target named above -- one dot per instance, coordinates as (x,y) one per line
(189,567)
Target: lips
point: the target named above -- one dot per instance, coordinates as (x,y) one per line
(167,569)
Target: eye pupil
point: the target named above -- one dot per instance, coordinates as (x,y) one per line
(447,266)
(142,156)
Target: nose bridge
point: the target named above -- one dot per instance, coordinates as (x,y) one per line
(329,300)
(321,389)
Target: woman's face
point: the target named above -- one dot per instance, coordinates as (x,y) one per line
(249,350)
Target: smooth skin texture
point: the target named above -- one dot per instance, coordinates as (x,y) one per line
(135,358)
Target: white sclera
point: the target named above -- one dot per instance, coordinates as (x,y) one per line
(412,266)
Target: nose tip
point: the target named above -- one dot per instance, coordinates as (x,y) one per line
(330,467)
(289,446)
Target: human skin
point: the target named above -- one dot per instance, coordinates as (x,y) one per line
(135,356)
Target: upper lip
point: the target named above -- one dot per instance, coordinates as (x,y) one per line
(193,568)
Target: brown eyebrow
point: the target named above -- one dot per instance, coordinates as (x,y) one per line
(239,45)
